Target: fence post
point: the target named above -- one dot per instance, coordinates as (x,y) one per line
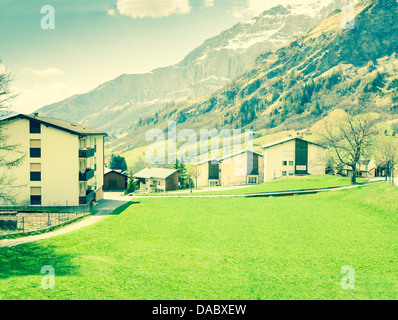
(23,224)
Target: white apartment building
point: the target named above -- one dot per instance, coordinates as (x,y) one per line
(63,164)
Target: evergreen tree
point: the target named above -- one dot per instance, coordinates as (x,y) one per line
(118,163)
(184,179)
(132,184)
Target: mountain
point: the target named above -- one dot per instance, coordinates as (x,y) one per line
(328,68)
(115,105)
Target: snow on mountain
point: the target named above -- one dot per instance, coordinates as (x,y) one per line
(118,103)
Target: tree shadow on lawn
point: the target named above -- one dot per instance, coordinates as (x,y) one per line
(28,260)
(124,207)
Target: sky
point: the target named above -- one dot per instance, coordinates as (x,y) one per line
(58,48)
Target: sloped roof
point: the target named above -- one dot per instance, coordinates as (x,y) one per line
(240,152)
(159,173)
(206,161)
(272,144)
(365,165)
(64,125)
(107,170)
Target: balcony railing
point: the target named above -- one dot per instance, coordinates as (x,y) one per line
(90,195)
(86,153)
(87,175)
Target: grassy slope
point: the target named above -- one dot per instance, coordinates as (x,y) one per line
(268,248)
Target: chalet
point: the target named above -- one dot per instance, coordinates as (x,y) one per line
(366,168)
(208,173)
(157,180)
(64,161)
(293,156)
(242,168)
(115,180)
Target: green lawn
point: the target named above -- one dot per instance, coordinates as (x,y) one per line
(221,248)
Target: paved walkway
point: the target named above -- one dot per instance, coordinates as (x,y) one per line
(259,194)
(104,208)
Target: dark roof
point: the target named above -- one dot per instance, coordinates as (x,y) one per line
(64,125)
(117,172)
(287,140)
(108,170)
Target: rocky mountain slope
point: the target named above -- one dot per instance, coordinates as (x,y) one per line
(328,68)
(116,105)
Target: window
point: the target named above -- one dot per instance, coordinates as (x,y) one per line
(34,127)
(35,172)
(291,163)
(252,180)
(284,173)
(35,148)
(35,196)
(284,163)
(291,173)
(213,183)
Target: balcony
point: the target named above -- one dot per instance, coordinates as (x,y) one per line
(90,195)
(87,175)
(85,153)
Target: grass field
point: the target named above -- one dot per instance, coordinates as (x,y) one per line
(221,248)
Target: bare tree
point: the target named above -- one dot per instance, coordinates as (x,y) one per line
(388,156)
(194,172)
(10,155)
(350,137)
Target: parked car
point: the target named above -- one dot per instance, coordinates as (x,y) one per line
(135,192)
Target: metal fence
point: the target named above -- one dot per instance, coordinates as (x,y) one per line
(25,222)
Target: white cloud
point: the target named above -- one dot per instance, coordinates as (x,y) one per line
(29,100)
(49,72)
(152,8)
(208,3)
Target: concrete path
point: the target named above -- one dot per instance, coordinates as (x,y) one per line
(104,207)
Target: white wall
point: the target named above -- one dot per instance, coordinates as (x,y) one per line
(316,159)
(59,164)
(274,156)
(18,133)
(60,167)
